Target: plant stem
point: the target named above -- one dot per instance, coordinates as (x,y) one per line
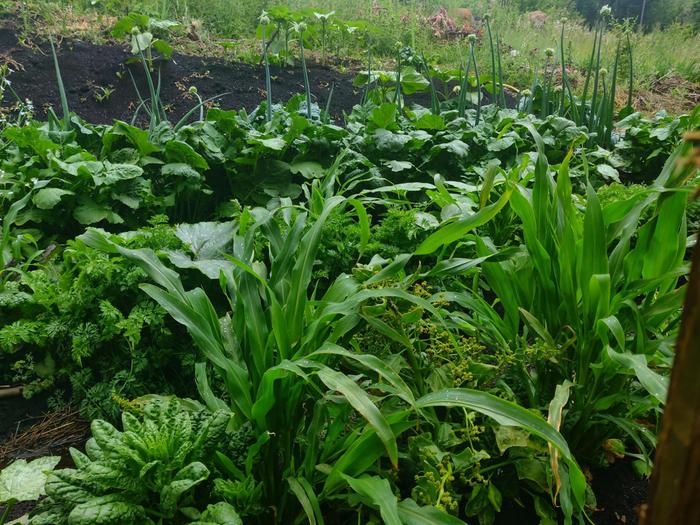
(306,76)
(8,509)
(268,83)
(478,85)
(494,97)
(61,88)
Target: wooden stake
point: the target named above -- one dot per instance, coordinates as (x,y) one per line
(675,482)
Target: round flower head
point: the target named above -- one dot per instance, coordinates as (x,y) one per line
(135,30)
(487,16)
(301,27)
(549,52)
(603,72)
(606,11)
(398,46)
(192,90)
(264,19)
(564,20)
(471,38)
(526,93)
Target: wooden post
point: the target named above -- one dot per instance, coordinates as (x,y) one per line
(675,482)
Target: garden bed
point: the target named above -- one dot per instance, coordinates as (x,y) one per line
(88,70)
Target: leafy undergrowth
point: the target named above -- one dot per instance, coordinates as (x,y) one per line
(415,318)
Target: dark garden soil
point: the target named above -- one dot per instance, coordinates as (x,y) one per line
(619,493)
(89,69)
(17,414)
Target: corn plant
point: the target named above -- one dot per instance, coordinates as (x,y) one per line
(600,289)
(279,355)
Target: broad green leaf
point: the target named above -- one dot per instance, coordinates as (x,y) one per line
(361,402)
(307,169)
(180,169)
(89,212)
(377,492)
(654,383)
(411,514)
(184,480)
(507,413)
(22,481)
(384,116)
(219,514)
(47,198)
(430,121)
(456,230)
(107,510)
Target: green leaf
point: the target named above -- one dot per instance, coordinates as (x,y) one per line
(90,213)
(308,499)
(107,510)
(654,383)
(219,514)
(22,481)
(181,152)
(412,514)
(507,413)
(47,198)
(457,229)
(377,492)
(431,122)
(361,402)
(608,172)
(384,116)
(113,173)
(180,169)
(186,478)
(307,169)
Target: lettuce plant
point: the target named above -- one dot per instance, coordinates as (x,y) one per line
(147,473)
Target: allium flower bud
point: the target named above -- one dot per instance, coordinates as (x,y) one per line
(471,38)
(135,30)
(264,19)
(526,93)
(192,90)
(301,27)
(549,52)
(606,11)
